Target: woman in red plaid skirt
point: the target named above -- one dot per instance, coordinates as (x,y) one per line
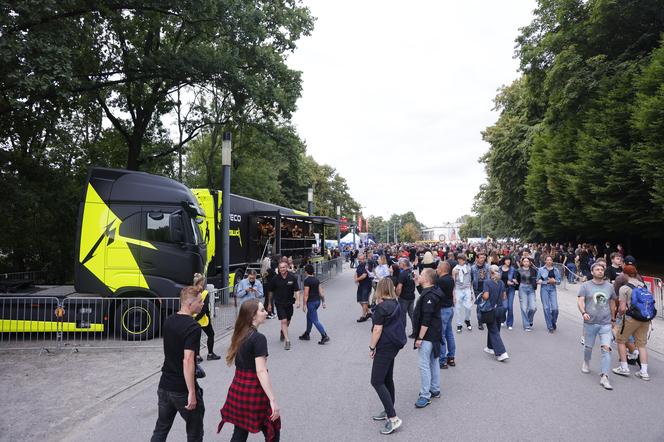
(250,404)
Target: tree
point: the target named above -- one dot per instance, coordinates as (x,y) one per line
(410,233)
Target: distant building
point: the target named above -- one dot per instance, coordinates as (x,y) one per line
(446,232)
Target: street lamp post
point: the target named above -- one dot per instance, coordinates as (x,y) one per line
(339,228)
(354,220)
(310,200)
(226,148)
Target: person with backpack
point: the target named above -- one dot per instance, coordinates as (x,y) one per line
(427,326)
(637,305)
(492,312)
(388,337)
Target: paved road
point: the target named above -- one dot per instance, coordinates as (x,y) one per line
(325,395)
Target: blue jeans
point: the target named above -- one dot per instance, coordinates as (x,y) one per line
(312,317)
(493,339)
(570,274)
(429,370)
(590,332)
(449,345)
(550,304)
(528,304)
(509,304)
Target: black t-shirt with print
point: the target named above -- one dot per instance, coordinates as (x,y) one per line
(254,346)
(446,284)
(283,289)
(408,285)
(180,333)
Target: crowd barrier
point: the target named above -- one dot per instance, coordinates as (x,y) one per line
(53,324)
(88,322)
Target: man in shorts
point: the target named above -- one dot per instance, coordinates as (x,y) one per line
(363,282)
(285,289)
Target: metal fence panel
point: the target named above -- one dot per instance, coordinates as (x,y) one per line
(28,323)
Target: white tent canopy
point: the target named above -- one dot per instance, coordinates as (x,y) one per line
(348,240)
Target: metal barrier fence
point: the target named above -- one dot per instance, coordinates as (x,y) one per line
(11,282)
(89,322)
(50,323)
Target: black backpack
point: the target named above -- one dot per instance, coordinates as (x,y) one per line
(394,329)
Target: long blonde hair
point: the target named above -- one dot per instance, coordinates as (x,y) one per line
(385,289)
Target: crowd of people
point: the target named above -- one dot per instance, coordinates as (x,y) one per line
(426,285)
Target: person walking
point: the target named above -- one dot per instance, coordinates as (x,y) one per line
(286,292)
(427,328)
(251,405)
(508,276)
(527,278)
(313,296)
(178,391)
(480,275)
(445,282)
(203,318)
(462,292)
(388,337)
(494,293)
(595,302)
(548,278)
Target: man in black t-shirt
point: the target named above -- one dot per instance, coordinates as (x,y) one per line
(406,290)
(285,290)
(178,391)
(445,282)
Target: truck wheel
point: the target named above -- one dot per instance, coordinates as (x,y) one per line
(137,319)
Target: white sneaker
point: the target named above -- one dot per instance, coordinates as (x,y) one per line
(621,371)
(509,328)
(585,368)
(488,350)
(503,357)
(604,382)
(642,375)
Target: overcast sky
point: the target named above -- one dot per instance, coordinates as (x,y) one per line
(395,95)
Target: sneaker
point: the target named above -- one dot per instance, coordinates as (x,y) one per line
(287,345)
(551,330)
(480,326)
(323,340)
(621,371)
(468,326)
(282,338)
(585,368)
(435,394)
(488,350)
(305,337)
(642,375)
(503,357)
(380,416)
(451,362)
(509,327)
(604,382)
(199,358)
(459,328)
(213,357)
(422,402)
(363,318)
(390,426)
(528,329)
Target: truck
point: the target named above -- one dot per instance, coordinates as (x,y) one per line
(140,238)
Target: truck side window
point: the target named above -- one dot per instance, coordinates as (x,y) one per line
(158,227)
(131,226)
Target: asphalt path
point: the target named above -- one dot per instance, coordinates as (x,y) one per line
(324,391)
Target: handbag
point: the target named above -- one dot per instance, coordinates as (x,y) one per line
(501,314)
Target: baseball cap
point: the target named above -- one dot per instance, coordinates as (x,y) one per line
(630,260)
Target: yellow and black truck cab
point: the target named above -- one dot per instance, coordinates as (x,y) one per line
(137,235)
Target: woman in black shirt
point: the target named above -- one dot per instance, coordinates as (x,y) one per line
(313,295)
(250,405)
(388,336)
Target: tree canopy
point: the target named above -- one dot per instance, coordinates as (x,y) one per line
(577,151)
